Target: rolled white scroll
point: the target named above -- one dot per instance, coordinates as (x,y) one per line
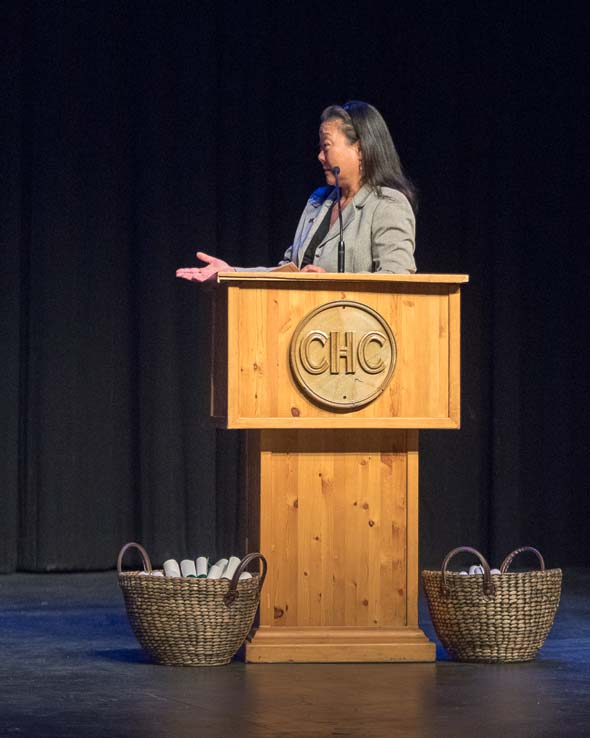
(187,567)
(231,567)
(217,569)
(202,567)
(171,568)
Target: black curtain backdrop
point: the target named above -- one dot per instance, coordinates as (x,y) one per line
(135,133)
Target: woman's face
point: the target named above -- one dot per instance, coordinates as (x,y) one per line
(337,151)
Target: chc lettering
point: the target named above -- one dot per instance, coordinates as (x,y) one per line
(321,352)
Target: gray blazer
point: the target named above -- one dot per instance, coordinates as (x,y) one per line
(379,232)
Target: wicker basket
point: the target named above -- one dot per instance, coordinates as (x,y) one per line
(494,617)
(190,622)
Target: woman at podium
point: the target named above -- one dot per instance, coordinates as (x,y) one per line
(367,203)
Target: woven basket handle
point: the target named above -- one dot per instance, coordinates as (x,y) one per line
(509,559)
(147,564)
(232,592)
(489,587)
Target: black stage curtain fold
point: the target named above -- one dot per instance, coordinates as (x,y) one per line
(135,134)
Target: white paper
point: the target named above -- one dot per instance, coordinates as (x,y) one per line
(187,568)
(202,566)
(171,568)
(215,572)
(231,567)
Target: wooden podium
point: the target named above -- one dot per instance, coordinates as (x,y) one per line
(330,376)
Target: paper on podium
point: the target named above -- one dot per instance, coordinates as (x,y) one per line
(290,267)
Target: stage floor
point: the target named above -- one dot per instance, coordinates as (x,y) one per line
(70,667)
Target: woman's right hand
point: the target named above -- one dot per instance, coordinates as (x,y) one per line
(207,273)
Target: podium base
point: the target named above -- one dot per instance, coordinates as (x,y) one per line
(269,645)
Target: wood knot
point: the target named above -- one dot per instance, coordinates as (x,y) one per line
(296,502)
(366,603)
(279,612)
(371,523)
(366,506)
(295,412)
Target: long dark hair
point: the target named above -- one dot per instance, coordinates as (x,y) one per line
(362,122)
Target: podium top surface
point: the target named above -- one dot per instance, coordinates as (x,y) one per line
(270,276)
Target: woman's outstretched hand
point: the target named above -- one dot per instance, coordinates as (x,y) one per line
(204,274)
(313,268)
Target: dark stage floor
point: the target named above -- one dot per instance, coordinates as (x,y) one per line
(70,666)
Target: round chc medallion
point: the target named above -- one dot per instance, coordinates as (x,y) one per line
(342,355)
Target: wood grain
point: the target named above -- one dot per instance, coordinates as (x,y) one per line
(333,494)
(337,520)
(262,316)
(261,277)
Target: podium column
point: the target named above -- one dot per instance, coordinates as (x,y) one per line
(336,515)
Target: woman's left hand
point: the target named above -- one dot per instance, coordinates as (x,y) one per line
(313,268)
